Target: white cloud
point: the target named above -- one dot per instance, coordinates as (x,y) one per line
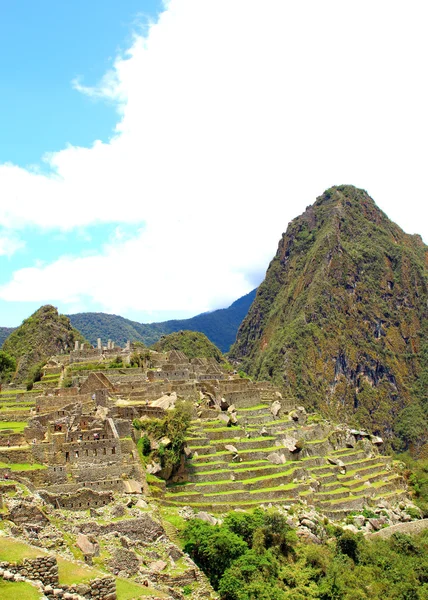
(233,116)
(9,243)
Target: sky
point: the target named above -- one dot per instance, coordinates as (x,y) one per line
(152,153)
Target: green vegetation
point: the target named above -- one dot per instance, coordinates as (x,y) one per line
(192,343)
(7,367)
(416,474)
(19,589)
(340,319)
(129,590)
(14,426)
(40,336)
(72,573)
(14,551)
(256,555)
(173,427)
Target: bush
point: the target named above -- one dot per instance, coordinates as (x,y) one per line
(144,445)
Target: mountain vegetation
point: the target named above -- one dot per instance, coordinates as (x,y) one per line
(258,555)
(220,326)
(40,336)
(340,319)
(192,343)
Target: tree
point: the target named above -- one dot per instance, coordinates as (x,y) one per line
(7,366)
(411,426)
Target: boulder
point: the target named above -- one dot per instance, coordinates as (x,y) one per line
(231,448)
(187,452)
(307,536)
(84,543)
(167,401)
(157,566)
(275,408)
(165,441)
(264,431)
(224,418)
(299,415)
(231,408)
(204,516)
(359,520)
(276,458)
(290,443)
(153,468)
(309,524)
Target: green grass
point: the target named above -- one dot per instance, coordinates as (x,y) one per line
(22,466)
(14,551)
(171,516)
(18,589)
(17,426)
(250,408)
(268,477)
(129,590)
(72,573)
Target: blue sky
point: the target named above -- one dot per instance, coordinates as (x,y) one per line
(44,45)
(152,154)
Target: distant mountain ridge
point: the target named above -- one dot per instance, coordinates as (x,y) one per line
(5,333)
(220,326)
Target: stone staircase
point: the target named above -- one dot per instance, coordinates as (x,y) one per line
(220,479)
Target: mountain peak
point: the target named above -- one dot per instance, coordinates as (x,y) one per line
(338,320)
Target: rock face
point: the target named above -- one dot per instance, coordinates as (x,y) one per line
(343,301)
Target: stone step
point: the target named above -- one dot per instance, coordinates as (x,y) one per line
(198,441)
(219,507)
(349,456)
(363,470)
(202,450)
(334,494)
(372,477)
(224,432)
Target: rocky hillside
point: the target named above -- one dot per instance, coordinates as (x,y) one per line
(338,320)
(43,334)
(220,326)
(192,343)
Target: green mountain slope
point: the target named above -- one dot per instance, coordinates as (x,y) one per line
(40,336)
(338,320)
(192,343)
(220,326)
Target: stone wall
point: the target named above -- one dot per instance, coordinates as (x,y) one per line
(138,412)
(44,569)
(80,500)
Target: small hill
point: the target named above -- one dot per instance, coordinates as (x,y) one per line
(192,343)
(220,326)
(339,320)
(40,336)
